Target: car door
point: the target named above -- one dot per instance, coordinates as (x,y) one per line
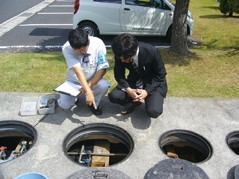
(145,17)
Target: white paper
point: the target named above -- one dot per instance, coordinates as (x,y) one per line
(69,88)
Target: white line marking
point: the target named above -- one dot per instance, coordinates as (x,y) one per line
(29,25)
(52,13)
(30,46)
(50,46)
(18,19)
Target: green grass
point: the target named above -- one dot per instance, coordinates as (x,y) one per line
(215,29)
(212,71)
(212,74)
(32,72)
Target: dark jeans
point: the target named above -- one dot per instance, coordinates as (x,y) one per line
(153,102)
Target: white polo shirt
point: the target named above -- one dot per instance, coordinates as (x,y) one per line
(96,60)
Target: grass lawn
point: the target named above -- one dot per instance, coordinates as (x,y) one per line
(213,70)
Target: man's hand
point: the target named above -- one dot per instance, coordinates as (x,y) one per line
(132,93)
(141,95)
(138,95)
(90,99)
(86,87)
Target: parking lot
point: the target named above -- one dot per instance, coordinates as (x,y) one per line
(47,29)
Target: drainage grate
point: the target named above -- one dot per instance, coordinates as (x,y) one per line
(16,138)
(185,145)
(98,145)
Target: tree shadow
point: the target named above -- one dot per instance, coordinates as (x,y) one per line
(212,7)
(230,50)
(58,36)
(218,16)
(175,60)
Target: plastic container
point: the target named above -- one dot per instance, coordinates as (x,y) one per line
(31,175)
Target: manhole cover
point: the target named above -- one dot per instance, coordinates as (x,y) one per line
(175,169)
(98,145)
(185,145)
(236,173)
(16,138)
(93,173)
(232,140)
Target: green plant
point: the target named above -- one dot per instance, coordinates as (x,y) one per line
(229,7)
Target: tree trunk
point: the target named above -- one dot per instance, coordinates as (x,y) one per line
(179,31)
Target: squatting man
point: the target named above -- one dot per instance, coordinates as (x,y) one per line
(146,80)
(87,63)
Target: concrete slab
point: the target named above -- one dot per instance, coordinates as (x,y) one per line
(211,118)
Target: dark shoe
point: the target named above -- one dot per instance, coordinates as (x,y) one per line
(129,107)
(97,111)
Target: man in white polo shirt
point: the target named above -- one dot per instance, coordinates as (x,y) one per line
(87,63)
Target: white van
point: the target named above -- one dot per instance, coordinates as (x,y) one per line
(138,17)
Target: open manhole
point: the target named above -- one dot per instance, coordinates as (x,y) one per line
(232,140)
(185,145)
(16,138)
(98,145)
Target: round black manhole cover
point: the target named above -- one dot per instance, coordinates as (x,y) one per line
(93,173)
(236,173)
(16,138)
(185,145)
(98,145)
(175,169)
(232,140)
(233,173)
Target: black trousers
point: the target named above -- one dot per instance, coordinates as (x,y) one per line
(153,102)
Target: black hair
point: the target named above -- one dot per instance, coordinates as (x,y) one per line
(78,38)
(124,45)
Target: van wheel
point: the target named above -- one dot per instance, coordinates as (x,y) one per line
(90,28)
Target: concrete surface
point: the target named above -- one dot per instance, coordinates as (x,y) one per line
(211,118)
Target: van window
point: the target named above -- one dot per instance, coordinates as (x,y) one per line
(109,1)
(160,4)
(138,2)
